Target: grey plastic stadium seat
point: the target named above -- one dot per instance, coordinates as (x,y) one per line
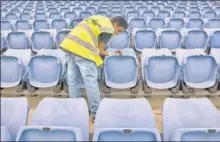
(38,11)
(59,24)
(65,10)
(200,72)
(70,15)
(22,25)
(113,77)
(11,16)
(213,23)
(41,40)
(190,120)
(165,42)
(77,11)
(17,40)
(116,13)
(137,23)
(54,16)
(163,14)
(6,25)
(119,41)
(194,9)
(144,39)
(60,36)
(155,9)
(58,120)
(52,10)
(181,9)
(116,120)
(25,16)
(180,15)
(75,22)
(193,15)
(196,39)
(103,13)
(41,24)
(91,10)
(215,42)
(195,23)
(84,15)
(176,23)
(141,10)
(148,15)
(131,14)
(210,15)
(40,16)
(156,23)
(12,118)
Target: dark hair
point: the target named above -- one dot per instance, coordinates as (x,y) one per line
(120,20)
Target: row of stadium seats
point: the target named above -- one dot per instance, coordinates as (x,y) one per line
(187,70)
(140,39)
(116,120)
(39,15)
(141,23)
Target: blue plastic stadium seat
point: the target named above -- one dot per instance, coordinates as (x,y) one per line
(54,16)
(12,118)
(169,9)
(84,15)
(215,42)
(38,77)
(163,14)
(91,10)
(26,16)
(125,120)
(148,15)
(38,11)
(6,25)
(75,22)
(213,23)
(176,24)
(52,10)
(137,23)
(40,16)
(190,120)
(179,15)
(154,62)
(200,72)
(131,14)
(155,9)
(142,9)
(113,76)
(144,39)
(116,13)
(196,39)
(119,41)
(181,9)
(11,16)
(156,23)
(60,36)
(41,40)
(210,15)
(77,11)
(27,11)
(103,13)
(194,15)
(41,24)
(59,24)
(64,10)
(58,120)
(195,23)
(22,25)
(70,15)
(165,42)
(17,40)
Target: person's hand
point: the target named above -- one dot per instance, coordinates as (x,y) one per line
(118,53)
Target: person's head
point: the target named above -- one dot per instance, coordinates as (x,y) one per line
(119,24)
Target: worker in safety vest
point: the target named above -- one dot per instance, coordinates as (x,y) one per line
(85,47)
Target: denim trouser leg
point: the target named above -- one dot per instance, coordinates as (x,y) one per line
(72,76)
(89,72)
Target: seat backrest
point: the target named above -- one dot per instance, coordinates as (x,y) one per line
(213,23)
(116,13)
(196,39)
(142,9)
(215,42)
(103,13)
(119,41)
(75,22)
(59,24)
(84,15)
(194,15)
(148,15)
(156,23)
(163,14)
(123,114)
(180,15)
(165,41)
(77,10)
(144,39)
(54,16)
(131,14)
(137,23)
(25,16)
(40,16)
(62,112)
(91,10)
(41,40)
(186,114)
(40,24)
(11,16)
(155,9)
(22,25)
(64,10)
(69,15)
(6,25)
(210,15)
(176,24)
(195,23)
(181,9)
(11,115)
(17,40)
(52,10)
(60,36)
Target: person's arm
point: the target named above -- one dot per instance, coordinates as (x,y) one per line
(102,49)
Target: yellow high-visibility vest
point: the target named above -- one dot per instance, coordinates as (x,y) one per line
(83,39)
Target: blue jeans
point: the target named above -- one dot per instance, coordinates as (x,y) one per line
(78,66)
